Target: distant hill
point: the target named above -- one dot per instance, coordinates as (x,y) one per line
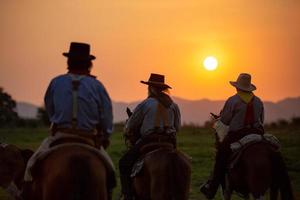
(192,111)
(26,110)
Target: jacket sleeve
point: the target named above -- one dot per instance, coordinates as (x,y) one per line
(177,118)
(262,117)
(135,121)
(48,100)
(227,112)
(105,111)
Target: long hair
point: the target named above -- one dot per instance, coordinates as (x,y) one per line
(161,94)
(157,91)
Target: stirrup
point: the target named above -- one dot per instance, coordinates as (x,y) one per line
(207,190)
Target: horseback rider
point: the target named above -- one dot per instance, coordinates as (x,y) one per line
(156,116)
(243,113)
(77,104)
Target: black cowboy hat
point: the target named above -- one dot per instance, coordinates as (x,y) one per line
(79,51)
(156,80)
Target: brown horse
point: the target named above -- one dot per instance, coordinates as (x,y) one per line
(12,166)
(258,169)
(166,176)
(69,173)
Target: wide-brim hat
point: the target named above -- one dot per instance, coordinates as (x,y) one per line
(243,83)
(156,80)
(79,51)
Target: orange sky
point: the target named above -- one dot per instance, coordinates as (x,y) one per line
(132,38)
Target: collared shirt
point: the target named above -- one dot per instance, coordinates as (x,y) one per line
(144,118)
(93,103)
(234,112)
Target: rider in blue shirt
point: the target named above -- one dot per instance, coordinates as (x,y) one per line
(78,106)
(94,104)
(91,106)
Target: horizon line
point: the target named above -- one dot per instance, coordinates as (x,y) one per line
(181,98)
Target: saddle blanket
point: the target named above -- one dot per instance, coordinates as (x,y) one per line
(238,147)
(253,138)
(45,150)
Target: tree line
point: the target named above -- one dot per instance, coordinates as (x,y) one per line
(10,118)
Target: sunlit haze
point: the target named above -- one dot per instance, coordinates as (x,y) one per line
(132,38)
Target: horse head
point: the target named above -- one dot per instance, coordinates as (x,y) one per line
(131,136)
(12,164)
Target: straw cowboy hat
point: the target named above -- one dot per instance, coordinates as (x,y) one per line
(156,80)
(243,83)
(79,51)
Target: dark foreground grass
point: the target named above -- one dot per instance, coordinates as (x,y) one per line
(196,142)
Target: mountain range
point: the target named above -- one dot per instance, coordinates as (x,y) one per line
(192,111)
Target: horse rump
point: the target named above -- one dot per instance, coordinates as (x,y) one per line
(71,173)
(180,175)
(281,180)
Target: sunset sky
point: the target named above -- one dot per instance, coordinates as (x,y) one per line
(132,38)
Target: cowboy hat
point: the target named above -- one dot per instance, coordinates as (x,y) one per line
(79,51)
(243,83)
(156,80)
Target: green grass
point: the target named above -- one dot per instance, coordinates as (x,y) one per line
(198,143)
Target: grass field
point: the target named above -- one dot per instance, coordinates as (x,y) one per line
(198,143)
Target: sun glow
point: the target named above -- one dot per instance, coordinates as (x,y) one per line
(210,63)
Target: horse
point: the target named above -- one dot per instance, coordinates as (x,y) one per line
(166,172)
(166,176)
(71,172)
(259,168)
(12,166)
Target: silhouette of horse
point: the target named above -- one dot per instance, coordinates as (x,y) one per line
(69,173)
(258,169)
(166,173)
(166,176)
(12,166)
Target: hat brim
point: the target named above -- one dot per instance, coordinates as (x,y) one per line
(90,57)
(156,84)
(247,89)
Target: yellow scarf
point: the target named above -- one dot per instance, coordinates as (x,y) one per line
(245,96)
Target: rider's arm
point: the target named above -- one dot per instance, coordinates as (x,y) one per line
(262,116)
(135,120)
(227,112)
(48,99)
(177,117)
(105,111)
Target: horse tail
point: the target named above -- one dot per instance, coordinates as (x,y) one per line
(283,179)
(81,177)
(180,175)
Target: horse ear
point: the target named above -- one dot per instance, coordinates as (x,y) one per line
(26,154)
(128,111)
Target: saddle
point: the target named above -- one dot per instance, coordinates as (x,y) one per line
(62,140)
(247,141)
(147,150)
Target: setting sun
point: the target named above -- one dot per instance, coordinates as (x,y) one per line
(210,63)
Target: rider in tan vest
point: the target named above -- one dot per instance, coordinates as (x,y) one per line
(158,116)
